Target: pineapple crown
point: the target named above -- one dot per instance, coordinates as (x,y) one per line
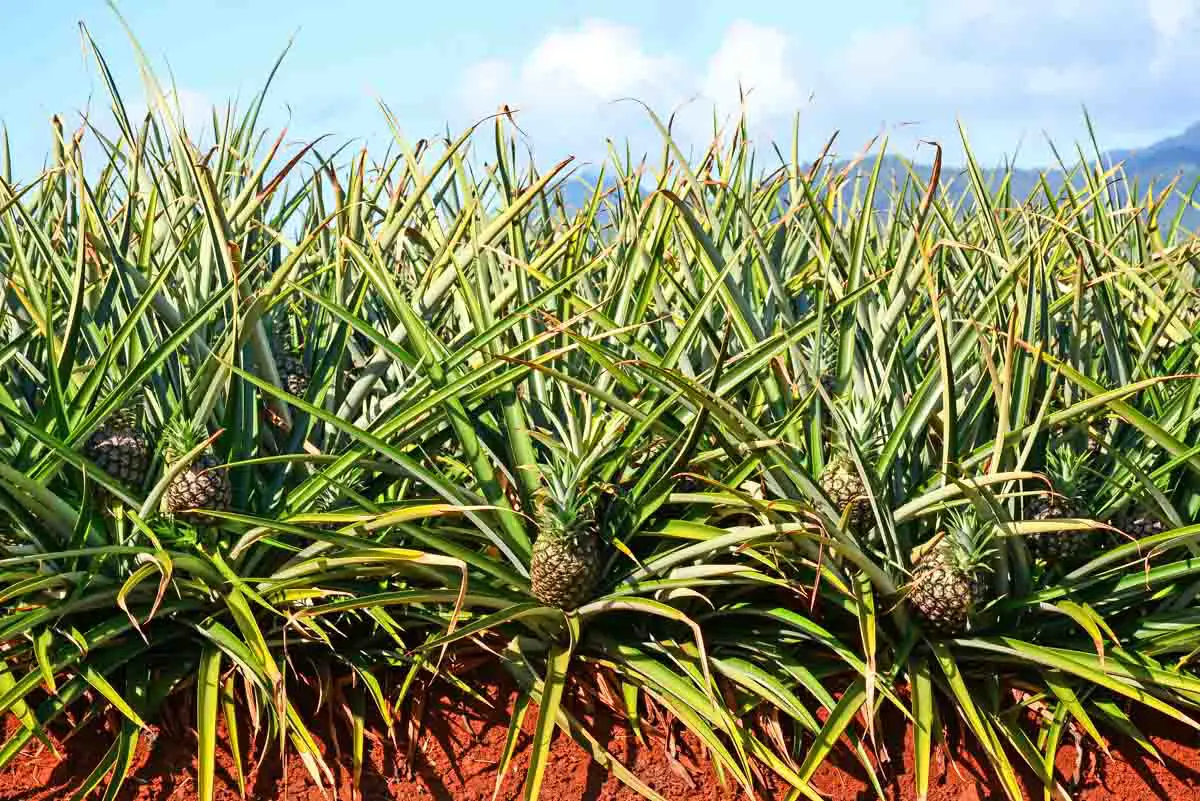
(971,537)
(181,435)
(563,509)
(1068,470)
(967,542)
(126,417)
(568,500)
(860,415)
(280,331)
(335,491)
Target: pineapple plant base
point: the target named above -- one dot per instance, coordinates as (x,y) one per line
(844,486)
(203,484)
(120,450)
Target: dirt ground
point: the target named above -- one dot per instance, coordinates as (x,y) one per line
(458,750)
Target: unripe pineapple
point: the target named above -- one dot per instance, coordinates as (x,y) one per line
(946,586)
(120,449)
(565,564)
(845,489)
(1136,524)
(293,375)
(1066,468)
(203,484)
(854,418)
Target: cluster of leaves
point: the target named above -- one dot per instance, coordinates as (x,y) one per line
(686,347)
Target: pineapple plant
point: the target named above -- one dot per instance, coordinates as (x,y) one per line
(840,480)
(565,563)
(202,485)
(1066,467)
(121,449)
(946,587)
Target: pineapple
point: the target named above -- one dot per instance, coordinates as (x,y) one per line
(293,375)
(1142,523)
(1066,468)
(842,483)
(1136,524)
(120,449)
(946,586)
(201,485)
(565,564)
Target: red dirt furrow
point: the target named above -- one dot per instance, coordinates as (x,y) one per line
(459,749)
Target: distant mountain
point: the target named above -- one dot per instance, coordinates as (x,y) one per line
(1155,165)
(1165,158)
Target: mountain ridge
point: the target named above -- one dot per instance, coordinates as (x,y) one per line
(1174,158)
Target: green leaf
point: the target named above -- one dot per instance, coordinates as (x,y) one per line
(520,707)
(208,696)
(923,732)
(558,660)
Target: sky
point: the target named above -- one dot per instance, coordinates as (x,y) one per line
(1012,72)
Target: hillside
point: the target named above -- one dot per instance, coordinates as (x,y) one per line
(1176,158)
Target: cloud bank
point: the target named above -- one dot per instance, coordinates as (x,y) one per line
(1010,69)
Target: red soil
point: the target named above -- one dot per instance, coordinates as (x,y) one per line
(457,754)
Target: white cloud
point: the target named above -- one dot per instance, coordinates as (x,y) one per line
(1170,16)
(596,63)
(1009,69)
(565,86)
(1012,70)
(754,59)
(1174,23)
(1067,83)
(484,84)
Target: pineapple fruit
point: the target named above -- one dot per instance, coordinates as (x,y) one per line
(120,449)
(202,485)
(1142,523)
(946,586)
(844,486)
(841,481)
(1066,468)
(1135,524)
(293,375)
(565,563)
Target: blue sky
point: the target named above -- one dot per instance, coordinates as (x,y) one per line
(1011,70)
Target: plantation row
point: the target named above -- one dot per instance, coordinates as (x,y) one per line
(719,439)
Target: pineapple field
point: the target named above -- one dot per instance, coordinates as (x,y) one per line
(298,441)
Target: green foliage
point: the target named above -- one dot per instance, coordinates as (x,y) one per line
(397,363)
